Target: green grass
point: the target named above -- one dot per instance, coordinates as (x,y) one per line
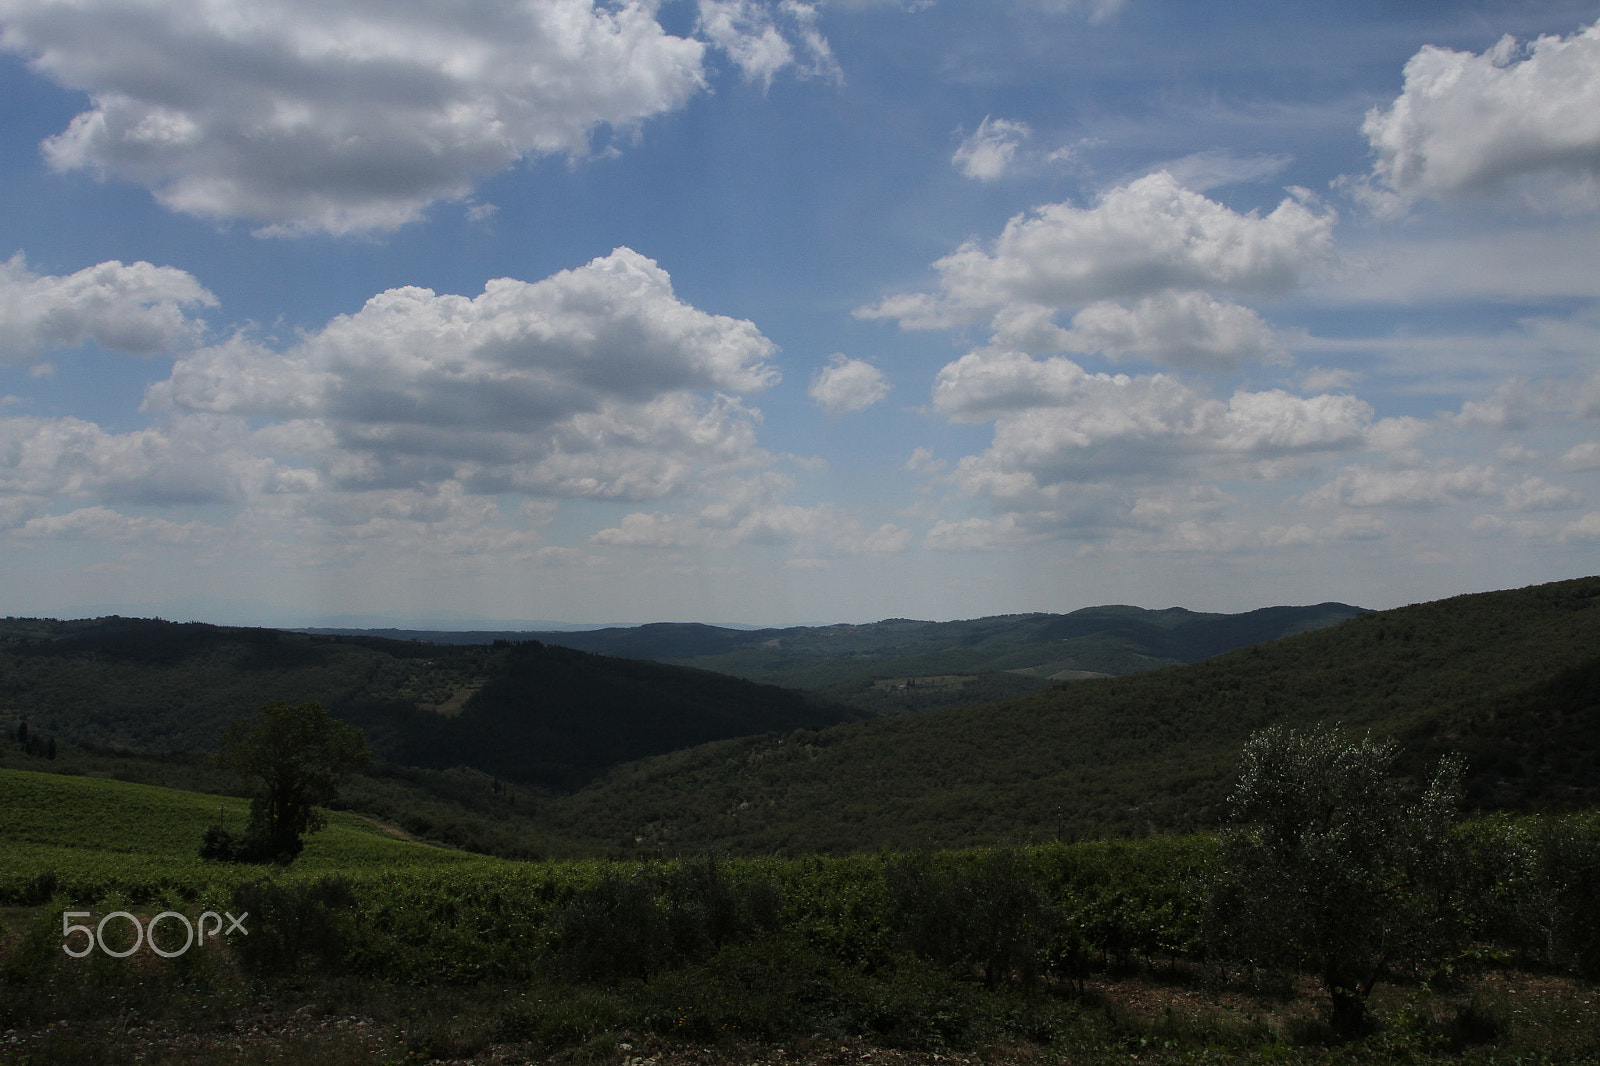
(87,836)
(87,814)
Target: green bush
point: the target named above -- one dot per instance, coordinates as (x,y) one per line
(1332,869)
(611,930)
(632,923)
(32,957)
(1569,874)
(291,925)
(980,911)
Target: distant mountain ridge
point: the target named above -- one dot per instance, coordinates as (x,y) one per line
(974,659)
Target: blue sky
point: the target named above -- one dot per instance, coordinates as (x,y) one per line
(773,312)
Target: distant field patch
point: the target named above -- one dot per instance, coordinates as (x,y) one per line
(938,681)
(458,700)
(1059,672)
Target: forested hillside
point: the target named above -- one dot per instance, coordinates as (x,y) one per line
(1508,678)
(530,713)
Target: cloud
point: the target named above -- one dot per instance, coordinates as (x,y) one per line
(922,461)
(201,462)
(1322,378)
(137,308)
(1511,406)
(1474,124)
(1584,456)
(1181,329)
(1057,424)
(1536,494)
(1217,167)
(1006,533)
(823,530)
(341,116)
(1095,10)
(752,34)
(1519,403)
(847,385)
(989,150)
(1584,529)
(1429,485)
(592,382)
(1140,240)
(101,523)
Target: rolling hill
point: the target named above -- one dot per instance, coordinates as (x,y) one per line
(1510,679)
(549,716)
(900,665)
(634,755)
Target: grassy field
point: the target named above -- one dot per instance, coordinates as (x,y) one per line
(85,837)
(374,949)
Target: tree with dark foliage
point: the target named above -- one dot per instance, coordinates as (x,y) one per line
(1331,868)
(298,756)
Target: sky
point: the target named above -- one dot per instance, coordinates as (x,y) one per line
(781,312)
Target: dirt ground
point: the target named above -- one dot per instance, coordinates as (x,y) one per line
(267,1032)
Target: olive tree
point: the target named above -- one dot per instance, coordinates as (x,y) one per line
(297,757)
(1331,867)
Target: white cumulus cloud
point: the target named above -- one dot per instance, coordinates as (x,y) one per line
(846,385)
(1468,123)
(341,116)
(136,308)
(1141,240)
(200,462)
(592,382)
(1057,424)
(1181,329)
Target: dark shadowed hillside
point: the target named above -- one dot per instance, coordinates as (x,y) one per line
(548,716)
(556,717)
(1508,678)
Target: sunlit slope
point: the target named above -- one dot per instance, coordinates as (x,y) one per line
(82,832)
(1491,674)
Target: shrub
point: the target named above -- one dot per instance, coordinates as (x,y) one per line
(984,913)
(289,925)
(632,924)
(1569,877)
(1331,868)
(611,930)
